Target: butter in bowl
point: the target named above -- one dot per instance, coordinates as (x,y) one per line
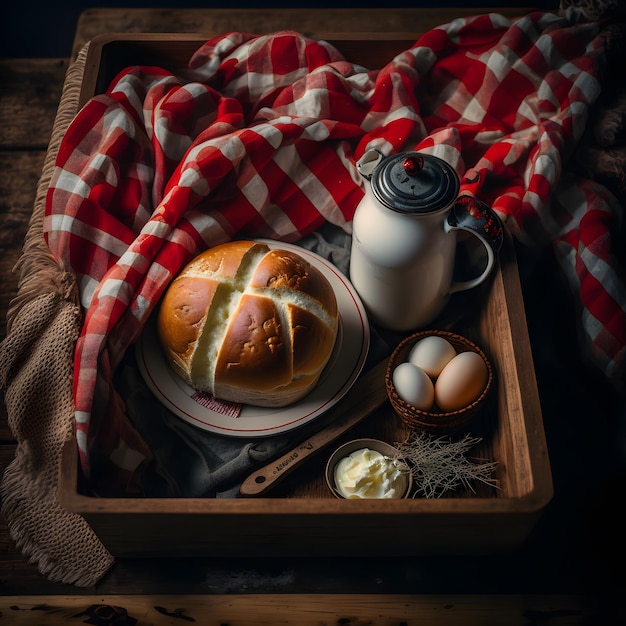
(368,469)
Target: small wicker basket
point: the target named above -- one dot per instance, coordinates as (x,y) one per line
(435,422)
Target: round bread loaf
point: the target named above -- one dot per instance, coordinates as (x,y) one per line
(249,324)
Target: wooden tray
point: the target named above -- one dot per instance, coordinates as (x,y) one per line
(301,516)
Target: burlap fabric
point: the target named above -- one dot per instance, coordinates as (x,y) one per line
(36,359)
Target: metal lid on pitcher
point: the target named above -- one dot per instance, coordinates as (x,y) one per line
(413,182)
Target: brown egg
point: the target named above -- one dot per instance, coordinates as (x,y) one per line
(461,381)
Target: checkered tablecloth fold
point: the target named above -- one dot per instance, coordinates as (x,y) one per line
(262,141)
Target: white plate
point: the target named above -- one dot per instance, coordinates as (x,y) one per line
(342,370)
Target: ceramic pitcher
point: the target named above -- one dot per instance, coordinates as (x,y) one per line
(404,238)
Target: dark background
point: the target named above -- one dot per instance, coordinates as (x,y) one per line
(45,28)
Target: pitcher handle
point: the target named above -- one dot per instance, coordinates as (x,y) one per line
(474,216)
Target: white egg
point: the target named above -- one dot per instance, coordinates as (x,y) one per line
(432,354)
(414,385)
(462,380)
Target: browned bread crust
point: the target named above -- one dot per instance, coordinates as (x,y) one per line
(249,324)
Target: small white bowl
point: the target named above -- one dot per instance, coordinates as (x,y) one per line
(348,448)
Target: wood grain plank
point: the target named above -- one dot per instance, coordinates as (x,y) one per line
(93,22)
(301,609)
(30,91)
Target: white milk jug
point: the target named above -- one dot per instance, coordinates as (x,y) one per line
(404,238)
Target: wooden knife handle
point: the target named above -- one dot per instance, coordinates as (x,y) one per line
(365,396)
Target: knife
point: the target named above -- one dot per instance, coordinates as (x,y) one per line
(364,397)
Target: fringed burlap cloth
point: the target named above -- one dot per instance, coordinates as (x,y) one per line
(36,362)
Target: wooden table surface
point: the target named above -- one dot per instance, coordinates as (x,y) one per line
(571,565)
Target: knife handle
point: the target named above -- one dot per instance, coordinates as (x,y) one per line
(364,397)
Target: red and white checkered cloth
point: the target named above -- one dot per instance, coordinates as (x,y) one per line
(263,143)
